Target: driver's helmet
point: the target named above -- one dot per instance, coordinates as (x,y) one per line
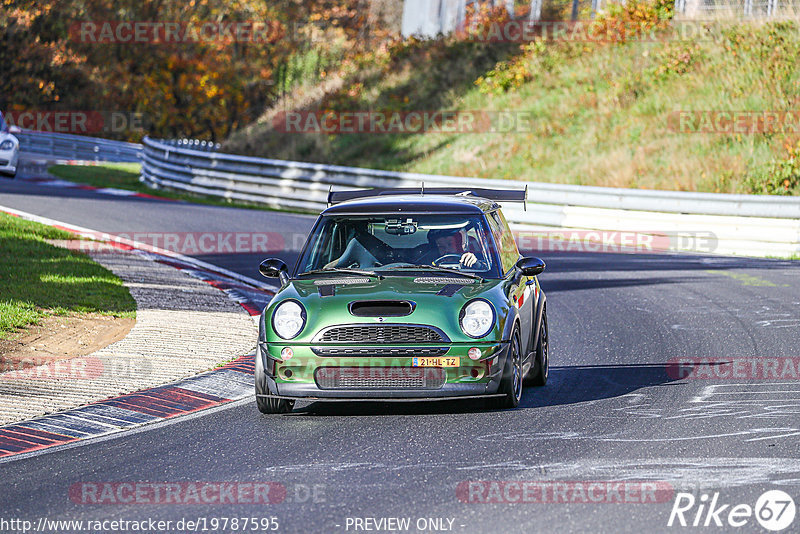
(433,235)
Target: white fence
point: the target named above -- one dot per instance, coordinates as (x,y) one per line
(429,18)
(737,224)
(738,8)
(76,147)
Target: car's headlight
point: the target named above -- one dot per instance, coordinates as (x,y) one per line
(8,144)
(288,319)
(477,318)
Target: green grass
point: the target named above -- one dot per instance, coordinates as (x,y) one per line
(120,175)
(601,113)
(38,279)
(126,176)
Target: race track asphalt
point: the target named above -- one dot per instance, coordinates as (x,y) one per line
(612,411)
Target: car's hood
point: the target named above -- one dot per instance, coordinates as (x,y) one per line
(327,304)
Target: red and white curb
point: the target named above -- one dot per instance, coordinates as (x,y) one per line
(229,383)
(64,184)
(48,181)
(220,386)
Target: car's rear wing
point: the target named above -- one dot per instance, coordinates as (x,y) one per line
(498,195)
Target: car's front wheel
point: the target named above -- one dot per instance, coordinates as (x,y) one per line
(272,405)
(511,382)
(267,404)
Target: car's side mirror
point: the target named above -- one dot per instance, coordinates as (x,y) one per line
(530,266)
(274,268)
(14,129)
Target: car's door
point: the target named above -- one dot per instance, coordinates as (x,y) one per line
(520,288)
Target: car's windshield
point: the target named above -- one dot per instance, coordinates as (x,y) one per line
(3,126)
(393,244)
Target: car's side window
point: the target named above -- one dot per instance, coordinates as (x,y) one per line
(497,233)
(509,253)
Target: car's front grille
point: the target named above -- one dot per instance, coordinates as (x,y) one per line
(380,352)
(3,162)
(381,333)
(380,377)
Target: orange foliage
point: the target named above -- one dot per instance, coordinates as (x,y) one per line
(202,88)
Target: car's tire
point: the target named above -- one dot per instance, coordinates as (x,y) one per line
(542,354)
(511,381)
(271,405)
(268,405)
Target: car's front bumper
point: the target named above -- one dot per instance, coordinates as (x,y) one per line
(9,159)
(459,382)
(312,392)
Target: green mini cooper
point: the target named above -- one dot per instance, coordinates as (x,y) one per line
(404,294)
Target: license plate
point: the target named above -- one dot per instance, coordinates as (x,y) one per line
(435,362)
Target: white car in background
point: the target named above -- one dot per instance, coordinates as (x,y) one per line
(9,149)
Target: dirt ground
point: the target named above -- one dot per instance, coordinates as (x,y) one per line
(61,337)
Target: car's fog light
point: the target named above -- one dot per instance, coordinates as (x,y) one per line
(287,353)
(474,353)
(475,372)
(288,373)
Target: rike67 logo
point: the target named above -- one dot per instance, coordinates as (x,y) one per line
(774,510)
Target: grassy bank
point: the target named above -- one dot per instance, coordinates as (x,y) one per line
(117,175)
(601,113)
(38,279)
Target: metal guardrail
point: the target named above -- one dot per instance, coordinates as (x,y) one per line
(194,144)
(77,147)
(742,224)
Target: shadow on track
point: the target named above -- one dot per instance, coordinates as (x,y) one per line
(570,385)
(556,285)
(576,262)
(566,385)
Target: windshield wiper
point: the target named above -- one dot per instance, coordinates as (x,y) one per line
(342,270)
(436,268)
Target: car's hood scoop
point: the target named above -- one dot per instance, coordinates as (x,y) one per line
(342,281)
(381,308)
(327,286)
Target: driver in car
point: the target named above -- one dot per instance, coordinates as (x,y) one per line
(446,242)
(450,241)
